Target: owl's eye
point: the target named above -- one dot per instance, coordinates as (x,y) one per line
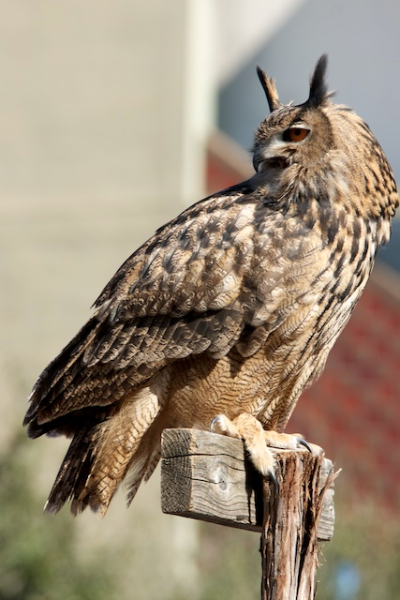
(295,134)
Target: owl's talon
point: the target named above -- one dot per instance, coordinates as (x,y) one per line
(274,482)
(290,441)
(224,426)
(304,443)
(250,430)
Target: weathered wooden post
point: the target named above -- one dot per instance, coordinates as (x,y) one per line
(208,476)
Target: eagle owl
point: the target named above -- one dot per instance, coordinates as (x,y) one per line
(229,311)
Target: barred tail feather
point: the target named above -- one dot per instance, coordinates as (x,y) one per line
(99,457)
(73,473)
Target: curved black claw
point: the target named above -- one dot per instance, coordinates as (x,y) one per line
(304,443)
(272,477)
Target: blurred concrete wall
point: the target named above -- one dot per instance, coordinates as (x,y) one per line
(104,109)
(99,145)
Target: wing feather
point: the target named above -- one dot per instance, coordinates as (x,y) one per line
(217,276)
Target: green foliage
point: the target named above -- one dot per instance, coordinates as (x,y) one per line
(365,539)
(38,558)
(230,563)
(368,539)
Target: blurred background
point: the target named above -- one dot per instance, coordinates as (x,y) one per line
(114,116)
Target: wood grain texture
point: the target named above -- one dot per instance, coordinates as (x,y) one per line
(208,477)
(289,541)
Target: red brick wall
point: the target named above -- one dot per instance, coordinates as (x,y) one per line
(353,411)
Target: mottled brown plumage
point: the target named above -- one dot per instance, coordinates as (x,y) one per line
(228,311)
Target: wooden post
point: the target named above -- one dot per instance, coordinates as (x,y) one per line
(208,476)
(291,526)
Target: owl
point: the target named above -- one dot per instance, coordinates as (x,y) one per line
(229,311)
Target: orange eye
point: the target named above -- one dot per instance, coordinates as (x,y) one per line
(296,134)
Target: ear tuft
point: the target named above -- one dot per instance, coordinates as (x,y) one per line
(318,89)
(269,88)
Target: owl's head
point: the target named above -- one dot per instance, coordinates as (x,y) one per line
(291,134)
(321,149)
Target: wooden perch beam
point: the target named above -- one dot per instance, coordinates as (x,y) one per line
(207,476)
